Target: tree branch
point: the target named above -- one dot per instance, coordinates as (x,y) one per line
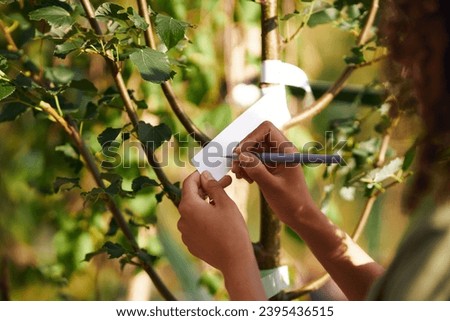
(72,131)
(9,39)
(331,93)
(129,108)
(185,120)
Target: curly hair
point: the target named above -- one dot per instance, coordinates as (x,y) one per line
(417,33)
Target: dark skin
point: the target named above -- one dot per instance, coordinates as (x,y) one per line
(217,232)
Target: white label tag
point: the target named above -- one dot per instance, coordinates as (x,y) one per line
(271,106)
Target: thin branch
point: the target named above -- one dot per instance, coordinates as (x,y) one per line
(287,40)
(365,32)
(185,120)
(129,108)
(9,39)
(71,129)
(331,93)
(148,34)
(371,62)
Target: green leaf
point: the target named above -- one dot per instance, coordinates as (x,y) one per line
(94,195)
(111,11)
(3,63)
(153,136)
(142,182)
(113,228)
(357,57)
(136,19)
(146,257)
(67,150)
(89,256)
(153,65)
(290,15)
(322,17)
(91,111)
(55,16)
(409,157)
(11,111)
(6,89)
(61,181)
(59,74)
(170,30)
(353,11)
(108,135)
(62,50)
(160,196)
(111,177)
(84,85)
(114,250)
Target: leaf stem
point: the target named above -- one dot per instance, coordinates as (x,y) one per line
(55,97)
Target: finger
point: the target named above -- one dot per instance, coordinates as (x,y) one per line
(266,137)
(212,187)
(225,181)
(255,170)
(191,186)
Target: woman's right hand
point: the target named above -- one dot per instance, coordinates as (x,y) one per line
(283,185)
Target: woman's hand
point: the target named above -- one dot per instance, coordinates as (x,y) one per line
(215,232)
(283,185)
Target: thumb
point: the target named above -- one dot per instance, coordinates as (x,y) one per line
(255,169)
(212,187)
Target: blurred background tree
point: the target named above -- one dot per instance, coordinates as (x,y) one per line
(102,105)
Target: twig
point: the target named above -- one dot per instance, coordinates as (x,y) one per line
(129,108)
(365,32)
(329,95)
(185,120)
(71,129)
(8,36)
(371,62)
(287,40)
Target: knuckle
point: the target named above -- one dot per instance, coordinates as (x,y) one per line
(266,124)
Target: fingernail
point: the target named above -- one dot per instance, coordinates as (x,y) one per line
(207,175)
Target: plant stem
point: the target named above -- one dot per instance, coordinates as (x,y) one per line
(71,129)
(331,93)
(9,39)
(167,89)
(129,108)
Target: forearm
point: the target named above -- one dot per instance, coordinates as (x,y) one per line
(350,267)
(242,279)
